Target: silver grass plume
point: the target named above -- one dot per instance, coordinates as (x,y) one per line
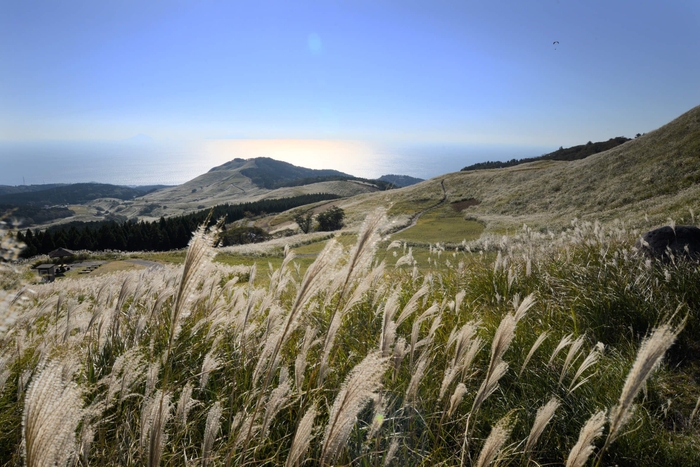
(542,419)
(155,413)
(566,340)
(648,359)
(152,377)
(496,369)
(300,361)
(210,432)
(386,340)
(184,404)
(494,443)
(310,284)
(589,361)
(338,315)
(209,364)
(692,414)
(523,307)
(412,304)
(415,328)
(302,438)
(417,376)
(391,452)
(127,370)
(5,371)
(199,251)
(400,350)
(380,407)
(456,398)
(459,298)
(538,342)
(466,348)
(406,259)
(571,356)
(584,447)
(52,411)
(359,387)
(10,250)
(278,397)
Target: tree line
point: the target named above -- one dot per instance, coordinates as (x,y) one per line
(162,235)
(562,154)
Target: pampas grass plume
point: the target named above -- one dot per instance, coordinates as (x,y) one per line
(210,431)
(494,443)
(52,411)
(359,387)
(542,419)
(648,359)
(302,438)
(584,446)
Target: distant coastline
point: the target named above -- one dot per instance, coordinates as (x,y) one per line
(136,163)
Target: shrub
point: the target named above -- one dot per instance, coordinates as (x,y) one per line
(331,219)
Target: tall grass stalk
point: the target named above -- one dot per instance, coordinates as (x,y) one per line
(360,386)
(494,443)
(542,419)
(52,411)
(648,359)
(302,438)
(584,447)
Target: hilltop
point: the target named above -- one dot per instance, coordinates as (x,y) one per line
(243,181)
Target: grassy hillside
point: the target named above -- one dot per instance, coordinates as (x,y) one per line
(573,153)
(656,175)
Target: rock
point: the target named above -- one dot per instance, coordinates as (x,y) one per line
(682,241)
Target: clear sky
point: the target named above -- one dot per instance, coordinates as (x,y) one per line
(405,73)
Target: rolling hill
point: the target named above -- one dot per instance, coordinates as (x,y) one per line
(654,176)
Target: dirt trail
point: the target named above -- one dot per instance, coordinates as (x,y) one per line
(415,217)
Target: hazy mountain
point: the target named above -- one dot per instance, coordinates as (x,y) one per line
(246,180)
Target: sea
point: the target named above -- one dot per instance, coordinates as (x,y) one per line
(137,163)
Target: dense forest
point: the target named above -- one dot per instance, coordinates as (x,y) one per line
(562,154)
(165,234)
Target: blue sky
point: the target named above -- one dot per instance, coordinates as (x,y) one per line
(393,73)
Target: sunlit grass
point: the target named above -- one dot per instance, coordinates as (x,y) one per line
(371,360)
(441,225)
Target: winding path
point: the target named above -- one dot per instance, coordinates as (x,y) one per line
(414,219)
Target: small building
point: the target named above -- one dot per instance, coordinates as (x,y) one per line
(61,253)
(47,271)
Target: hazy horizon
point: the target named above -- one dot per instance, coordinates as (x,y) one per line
(171,163)
(427,87)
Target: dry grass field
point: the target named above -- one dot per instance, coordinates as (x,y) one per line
(534,349)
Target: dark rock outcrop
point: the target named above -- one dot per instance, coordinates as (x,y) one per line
(683,241)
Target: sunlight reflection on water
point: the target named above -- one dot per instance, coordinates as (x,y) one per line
(175,163)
